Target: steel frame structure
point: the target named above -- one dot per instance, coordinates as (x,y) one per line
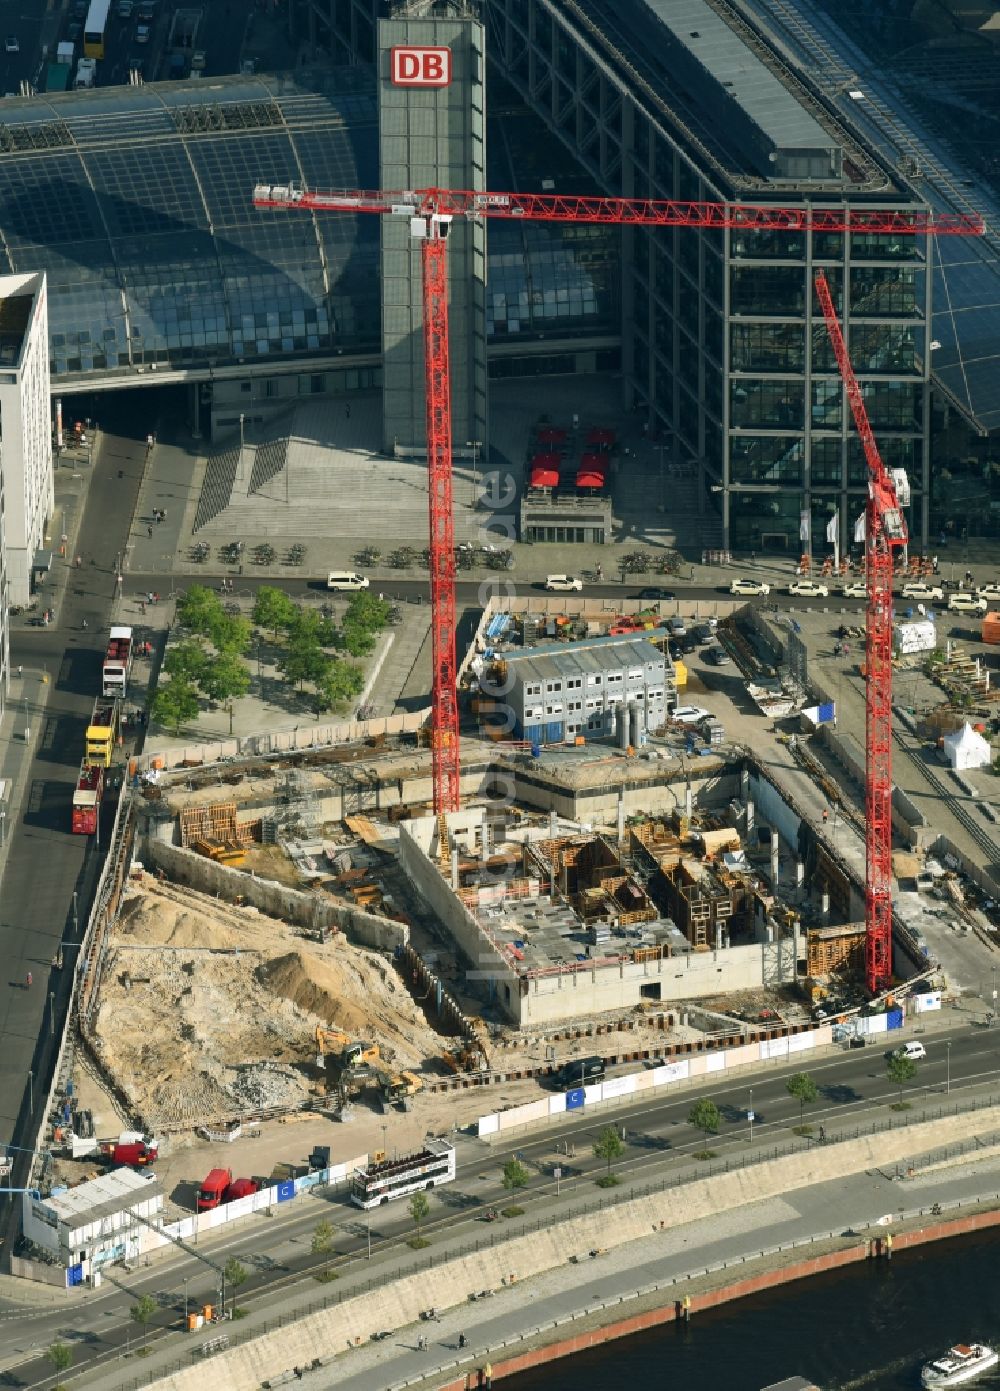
(430,211)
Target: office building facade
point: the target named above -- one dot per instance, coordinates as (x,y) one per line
(28,482)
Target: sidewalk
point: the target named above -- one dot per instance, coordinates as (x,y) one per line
(31,686)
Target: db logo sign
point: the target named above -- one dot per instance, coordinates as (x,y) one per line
(421,67)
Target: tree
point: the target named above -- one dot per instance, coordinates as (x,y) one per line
(900,1070)
(175,703)
(609,1145)
(234,1275)
(366,610)
(224,680)
(419,1208)
(322,1238)
(309,626)
(358,641)
(804,1090)
(231,633)
(142,1311)
(304,661)
(186,659)
(704,1115)
(61,1357)
(274,609)
(200,609)
(515,1175)
(339,682)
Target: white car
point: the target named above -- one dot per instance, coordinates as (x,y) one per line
(745,586)
(142,33)
(912,1050)
(919,589)
(857,589)
(809,589)
(11,44)
(563,584)
(967,603)
(689,714)
(990,592)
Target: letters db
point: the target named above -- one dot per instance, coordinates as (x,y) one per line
(420,67)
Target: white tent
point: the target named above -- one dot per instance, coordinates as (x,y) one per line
(967,749)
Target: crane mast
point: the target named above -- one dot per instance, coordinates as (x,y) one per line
(430,210)
(885,533)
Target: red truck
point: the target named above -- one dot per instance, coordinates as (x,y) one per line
(87,799)
(135,1153)
(213,1191)
(240,1188)
(118,662)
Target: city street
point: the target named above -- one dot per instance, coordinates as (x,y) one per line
(50,874)
(660,1145)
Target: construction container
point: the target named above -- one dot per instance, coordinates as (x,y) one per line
(991,627)
(914,637)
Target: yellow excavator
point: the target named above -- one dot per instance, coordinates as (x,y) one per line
(395,1088)
(337,1049)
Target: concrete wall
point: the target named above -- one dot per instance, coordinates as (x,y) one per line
(907,819)
(772,808)
(495,978)
(308,910)
(595,989)
(448,1283)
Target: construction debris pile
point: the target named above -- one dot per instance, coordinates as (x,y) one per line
(209,1011)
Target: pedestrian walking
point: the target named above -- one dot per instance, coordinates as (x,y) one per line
(149,532)
(826,817)
(347,411)
(934,564)
(753,557)
(461,1340)
(142,606)
(27,985)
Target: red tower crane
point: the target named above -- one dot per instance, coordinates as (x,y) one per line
(885,533)
(431,210)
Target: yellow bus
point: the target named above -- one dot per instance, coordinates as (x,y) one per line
(95,28)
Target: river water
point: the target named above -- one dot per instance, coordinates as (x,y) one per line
(871,1326)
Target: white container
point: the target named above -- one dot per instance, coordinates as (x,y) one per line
(919,636)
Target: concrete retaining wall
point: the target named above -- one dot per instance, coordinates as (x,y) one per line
(907,819)
(450,1283)
(277,900)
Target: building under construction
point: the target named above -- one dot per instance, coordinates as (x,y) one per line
(560,922)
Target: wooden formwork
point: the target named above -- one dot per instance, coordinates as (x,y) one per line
(214,822)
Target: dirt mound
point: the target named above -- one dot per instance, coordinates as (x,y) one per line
(155,921)
(314,986)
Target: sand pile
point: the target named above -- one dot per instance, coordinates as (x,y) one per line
(313,986)
(225,995)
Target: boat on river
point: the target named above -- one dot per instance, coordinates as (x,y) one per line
(958,1365)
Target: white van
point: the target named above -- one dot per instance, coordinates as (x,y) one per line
(966,603)
(346,579)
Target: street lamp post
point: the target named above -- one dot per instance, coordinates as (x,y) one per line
(31,1093)
(242,419)
(750,1115)
(947,1059)
(475,446)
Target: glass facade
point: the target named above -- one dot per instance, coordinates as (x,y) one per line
(137,203)
(725,348)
